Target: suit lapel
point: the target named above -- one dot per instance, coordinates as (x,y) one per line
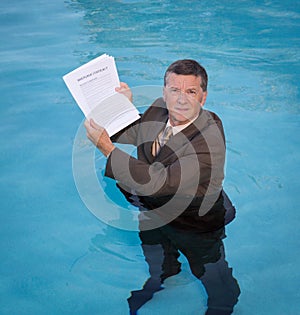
(153,124)
(181,139)
(151,129)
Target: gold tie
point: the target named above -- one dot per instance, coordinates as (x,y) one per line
(165,136)
(161,140)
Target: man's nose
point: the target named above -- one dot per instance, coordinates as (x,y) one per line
(182,97)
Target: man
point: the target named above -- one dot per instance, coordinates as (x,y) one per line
(176,180)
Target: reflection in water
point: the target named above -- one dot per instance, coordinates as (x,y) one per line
(206,257)
(161,248)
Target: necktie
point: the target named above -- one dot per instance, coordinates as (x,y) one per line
(165,136)
(161,140)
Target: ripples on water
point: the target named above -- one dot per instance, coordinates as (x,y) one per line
(250,51)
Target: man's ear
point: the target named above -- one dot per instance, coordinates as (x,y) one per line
(202,102)
(164,93)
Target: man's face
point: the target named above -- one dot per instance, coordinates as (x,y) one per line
(184,97)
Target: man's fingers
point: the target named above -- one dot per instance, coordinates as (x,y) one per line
(86,124)
(93,131)
(95,125)
(123,87)
(91,126)
(99,136)
(125,90)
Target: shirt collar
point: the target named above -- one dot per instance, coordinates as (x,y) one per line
(176,129)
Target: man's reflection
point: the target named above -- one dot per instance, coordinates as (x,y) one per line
(206,257)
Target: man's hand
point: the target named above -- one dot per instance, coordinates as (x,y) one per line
(125,90)
(99,136)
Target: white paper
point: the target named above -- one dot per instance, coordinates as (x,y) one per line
(93,87)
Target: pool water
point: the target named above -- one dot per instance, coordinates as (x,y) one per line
(57,257)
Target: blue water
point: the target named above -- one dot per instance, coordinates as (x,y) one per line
(56,257)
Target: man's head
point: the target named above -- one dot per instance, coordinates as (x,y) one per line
(185,90)
(188,67)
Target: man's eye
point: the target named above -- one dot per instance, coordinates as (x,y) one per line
(191,92)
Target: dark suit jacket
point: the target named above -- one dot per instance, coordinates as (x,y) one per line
(184,179)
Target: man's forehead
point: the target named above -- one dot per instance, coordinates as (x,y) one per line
(183,80)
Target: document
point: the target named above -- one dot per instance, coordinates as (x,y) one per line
(93,87)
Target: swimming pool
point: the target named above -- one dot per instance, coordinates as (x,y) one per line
(56,257)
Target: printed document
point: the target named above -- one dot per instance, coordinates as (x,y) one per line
(93,87)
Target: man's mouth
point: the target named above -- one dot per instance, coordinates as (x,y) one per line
(181,110)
